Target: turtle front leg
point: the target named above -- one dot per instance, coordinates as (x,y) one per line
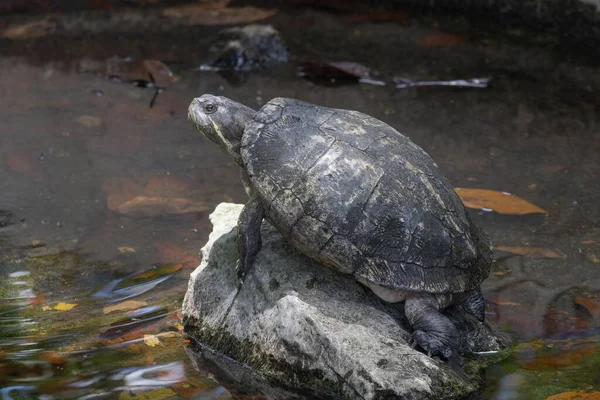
(248,236)
(432,331)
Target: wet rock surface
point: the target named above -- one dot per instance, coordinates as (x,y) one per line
(311,331)
(249,47)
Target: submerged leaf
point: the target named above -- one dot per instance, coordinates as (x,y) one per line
(151,340)
(217,13)
(62,306)
(124,306)
(157,272)
(25,162)
(145,206)
(29,30)
(441,39)
(157,394)
(347,70)
(378,16)
(575,396)
(592,305)
(531,251)
(501,202)
(89,121)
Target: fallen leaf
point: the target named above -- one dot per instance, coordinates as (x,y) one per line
(126,249)
(89,121)
(499,302)
(217,13)
(441,40)
(119,190)
(551,169)
(500,202)
(46,308)
(124,306)
(156,394)
(592,257)
(151,340)
(26,163)
(29,30)
(498,273)
(159,73)
(592,305)
(145,73)
(344,70)
(144,206)
(52,357)
(588,242)
(178,326)
(575,396)
(378,16)
(169,252)
(157,272)
(564,356)
(62,306)
(531,251)
(165,186)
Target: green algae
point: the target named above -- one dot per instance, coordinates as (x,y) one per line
(295,377)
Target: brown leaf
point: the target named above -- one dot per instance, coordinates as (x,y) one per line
(500,302)
(27,163)
(575,396)
(157,272)
(592,257)
(160,74)
(588,242)
(119,190)
(89,121)
(378,16)
(566,357)
(29,30)
(124,306)
(441,40)
(216,13)
(592,305)
(343,70)
(531,251)
(165,186)
(145,206)
(126,249)
(500,202)
(53,358)
(170,252)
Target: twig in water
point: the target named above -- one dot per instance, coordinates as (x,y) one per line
(403,83)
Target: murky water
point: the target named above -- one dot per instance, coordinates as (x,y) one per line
(105,201)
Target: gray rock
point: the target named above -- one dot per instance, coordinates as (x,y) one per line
(297,329)
(248,48)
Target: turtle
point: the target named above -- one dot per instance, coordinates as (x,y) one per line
(356,195)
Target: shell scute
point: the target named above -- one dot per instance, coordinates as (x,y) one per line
(352,192)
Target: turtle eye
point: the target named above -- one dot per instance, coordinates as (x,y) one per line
(210,108)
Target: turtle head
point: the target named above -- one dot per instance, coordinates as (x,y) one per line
(221,120)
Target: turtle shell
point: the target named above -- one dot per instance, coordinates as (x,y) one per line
(353,193)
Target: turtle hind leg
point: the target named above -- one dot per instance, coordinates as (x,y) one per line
(475,305)
(432,331)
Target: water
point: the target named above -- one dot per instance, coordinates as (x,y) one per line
(75,147)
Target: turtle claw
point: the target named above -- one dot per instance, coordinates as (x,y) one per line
(431,344)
